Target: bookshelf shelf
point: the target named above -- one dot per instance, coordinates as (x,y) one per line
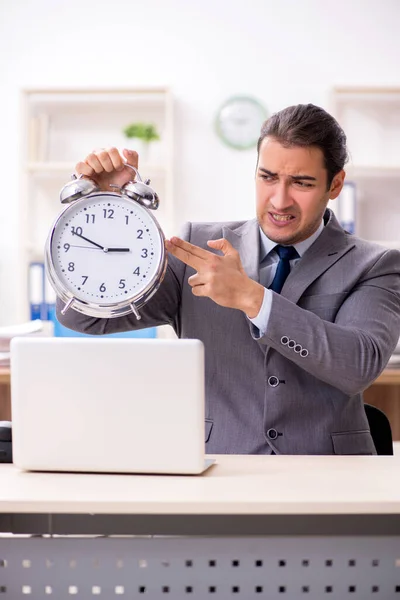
(49,166)
(388,243)
(372,172)
(66,168)
(84,96)
(371,119)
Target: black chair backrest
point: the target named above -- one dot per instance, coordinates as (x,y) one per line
(381,431)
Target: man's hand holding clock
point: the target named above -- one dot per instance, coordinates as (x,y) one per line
(107,167)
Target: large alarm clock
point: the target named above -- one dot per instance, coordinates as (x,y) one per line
(105,254)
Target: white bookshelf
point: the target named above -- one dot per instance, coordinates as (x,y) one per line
(61,127)
(370,118)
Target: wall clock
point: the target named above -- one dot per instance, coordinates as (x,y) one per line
(239,120)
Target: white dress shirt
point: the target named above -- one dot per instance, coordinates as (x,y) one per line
(268,264)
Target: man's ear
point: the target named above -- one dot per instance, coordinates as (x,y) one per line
(337,185)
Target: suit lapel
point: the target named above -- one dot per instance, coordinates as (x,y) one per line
(246,240)
(328,248)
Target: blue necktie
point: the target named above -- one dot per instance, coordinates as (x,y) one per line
(286,253)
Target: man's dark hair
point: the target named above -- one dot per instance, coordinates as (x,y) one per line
(308,125)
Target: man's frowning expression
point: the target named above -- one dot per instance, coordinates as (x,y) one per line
(291,190)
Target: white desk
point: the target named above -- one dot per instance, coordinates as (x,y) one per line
(245,485)
(279,527)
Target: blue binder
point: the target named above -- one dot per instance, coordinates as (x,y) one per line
(37,305)
(347,206)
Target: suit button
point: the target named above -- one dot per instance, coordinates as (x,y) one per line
(273,381)
(291,344)
(298,348)
(304,353)
(284,340)
(272,434)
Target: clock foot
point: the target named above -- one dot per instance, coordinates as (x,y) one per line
(67,306)
(135,311)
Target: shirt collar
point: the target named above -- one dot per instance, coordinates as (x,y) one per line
(267,245)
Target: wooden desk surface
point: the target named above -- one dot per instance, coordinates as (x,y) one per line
(390,376)
(4,375)
(247,485)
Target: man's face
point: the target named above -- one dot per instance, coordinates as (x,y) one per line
(291,191)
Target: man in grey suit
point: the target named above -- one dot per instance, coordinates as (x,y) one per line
(296,315)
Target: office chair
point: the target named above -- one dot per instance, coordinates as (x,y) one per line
(381,431)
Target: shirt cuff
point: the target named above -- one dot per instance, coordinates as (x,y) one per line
(260,321)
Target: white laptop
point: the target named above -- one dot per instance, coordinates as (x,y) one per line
(108,405)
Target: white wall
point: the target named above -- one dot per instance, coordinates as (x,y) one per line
(282,51)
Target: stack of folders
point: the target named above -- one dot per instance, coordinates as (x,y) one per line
(42,298)
(344,207)
(42,301)
(31,328)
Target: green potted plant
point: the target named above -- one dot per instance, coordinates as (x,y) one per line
(146,133)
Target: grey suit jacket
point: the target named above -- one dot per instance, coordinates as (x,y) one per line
(296,390)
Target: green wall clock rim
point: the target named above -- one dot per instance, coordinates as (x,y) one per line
(241,97)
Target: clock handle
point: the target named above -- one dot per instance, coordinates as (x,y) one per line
(136,171)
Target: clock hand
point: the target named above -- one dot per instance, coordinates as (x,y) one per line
(101,247)
(87,247)
(90,241)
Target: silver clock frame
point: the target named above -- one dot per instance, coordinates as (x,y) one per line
(115,309)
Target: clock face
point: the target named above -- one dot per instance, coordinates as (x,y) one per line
(106,249)
(239,122)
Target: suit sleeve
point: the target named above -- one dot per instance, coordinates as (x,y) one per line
(162,309)
(351,352)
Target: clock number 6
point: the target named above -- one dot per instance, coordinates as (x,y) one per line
(102,288)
